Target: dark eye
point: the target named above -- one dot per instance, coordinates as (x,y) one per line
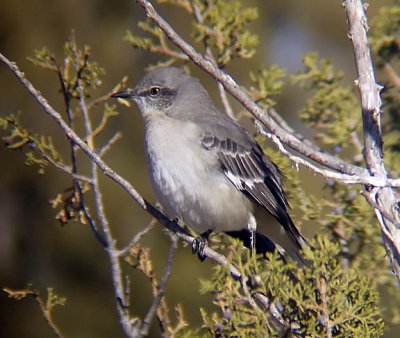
(154,91)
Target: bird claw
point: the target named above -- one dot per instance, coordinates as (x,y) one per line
(198,246)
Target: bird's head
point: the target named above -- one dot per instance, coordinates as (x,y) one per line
(167,91)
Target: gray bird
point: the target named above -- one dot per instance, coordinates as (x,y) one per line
(208,171)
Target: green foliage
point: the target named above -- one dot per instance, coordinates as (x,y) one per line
(266,84)
(333,110)
(144,44)
(76,68)
(223,28)
(385,43)
(78,77)
(52,299)
(343,214)
(316,300)
(39,149)
(306,207)
(384,38)
(220,26)
(347,219)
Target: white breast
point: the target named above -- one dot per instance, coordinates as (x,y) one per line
(187,182)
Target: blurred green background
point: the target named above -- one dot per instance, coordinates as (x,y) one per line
(34,248)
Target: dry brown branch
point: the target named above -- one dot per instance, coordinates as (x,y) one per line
(46,306)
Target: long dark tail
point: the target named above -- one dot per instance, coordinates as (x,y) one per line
(262,243)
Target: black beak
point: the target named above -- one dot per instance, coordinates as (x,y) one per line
(125,94)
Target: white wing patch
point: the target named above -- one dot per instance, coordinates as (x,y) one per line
(237,181)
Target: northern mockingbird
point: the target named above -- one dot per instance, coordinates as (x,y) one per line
(206,169)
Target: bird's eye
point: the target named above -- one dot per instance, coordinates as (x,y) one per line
(154,91)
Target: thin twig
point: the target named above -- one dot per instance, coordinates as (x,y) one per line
(105,97)
(276,314)
(393,77)
(325,310)
(116,270)
(161,289)
(356,141)
(228,108)
(116,137)
(48,315)
(370,180)
(288,129)
(44,306)
(168,52)
(67,170)
(370,196)
(76,183)
(100,127)
(137,238)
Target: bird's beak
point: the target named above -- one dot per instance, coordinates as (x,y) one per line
(125,94)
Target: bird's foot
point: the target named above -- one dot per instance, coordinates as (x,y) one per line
(199,244)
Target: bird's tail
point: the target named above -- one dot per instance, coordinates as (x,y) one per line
(287,237)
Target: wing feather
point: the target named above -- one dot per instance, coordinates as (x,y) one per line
(252,172)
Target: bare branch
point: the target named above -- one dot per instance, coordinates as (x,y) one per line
(392,75)
(117,275)
(106,96)
(370,180)
(371,116)
(137,238)
(66,169)
(161,289)
(164,50)
(48,315)
(76,183)
(222,93)
(116,137)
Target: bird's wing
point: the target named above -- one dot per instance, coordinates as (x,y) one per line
(252,172)
(247,170)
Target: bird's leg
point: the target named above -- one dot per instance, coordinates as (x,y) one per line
(252,227)
(199,243)
(252,241)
